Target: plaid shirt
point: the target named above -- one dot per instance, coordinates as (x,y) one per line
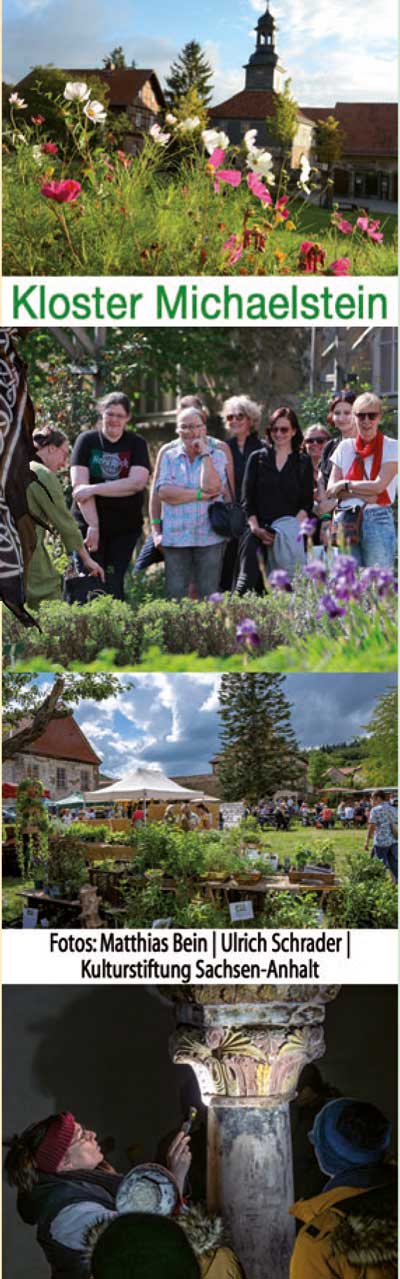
(187,524)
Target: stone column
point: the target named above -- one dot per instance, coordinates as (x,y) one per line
(247,1046)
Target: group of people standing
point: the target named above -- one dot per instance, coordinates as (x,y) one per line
(268,484)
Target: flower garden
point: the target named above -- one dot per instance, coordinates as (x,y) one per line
(333,617)
(193,878)
(188,204)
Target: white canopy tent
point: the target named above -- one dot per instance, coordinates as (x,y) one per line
(144,784)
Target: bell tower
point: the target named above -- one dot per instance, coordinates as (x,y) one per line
(262,69)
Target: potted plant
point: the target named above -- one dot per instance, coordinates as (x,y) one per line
(31,825)
(67,869)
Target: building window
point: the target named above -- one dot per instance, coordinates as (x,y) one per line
(32,770)
(61,779)
(386,372)
(85,779)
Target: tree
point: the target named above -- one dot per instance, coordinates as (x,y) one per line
(259,748)
(282,125)
(115,60)
(318,774)
(329,141)
(381,763)
(27,710)
(190,71)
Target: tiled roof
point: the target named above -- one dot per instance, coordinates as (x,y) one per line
(370,128)
(250,104)
(63,739)
(124,83)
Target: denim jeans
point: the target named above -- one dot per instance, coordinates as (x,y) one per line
(377,547)
(388,855)
(201,564)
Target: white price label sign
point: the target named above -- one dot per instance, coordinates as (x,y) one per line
(241,910)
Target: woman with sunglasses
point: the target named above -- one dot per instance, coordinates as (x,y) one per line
(364,478)
(339,419)
(278,493)
(242,418)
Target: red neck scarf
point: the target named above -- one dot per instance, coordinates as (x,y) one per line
(375,450)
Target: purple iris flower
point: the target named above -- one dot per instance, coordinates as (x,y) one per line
(344,564)
(329,605)
(368,576)
(215,598)
(280,579)
(316,570)
(385,581)
(307,529)
(247,633)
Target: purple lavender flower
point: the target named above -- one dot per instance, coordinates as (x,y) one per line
(385,581)
(247,633)
(316,570)
(328,604)
(216,598)
(307,529)
(280,579)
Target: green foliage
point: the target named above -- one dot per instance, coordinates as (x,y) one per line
(43,92)
(367,898)
(207,628)
(259,748)
(80,633)
(329,141)
(115,59)
(190,71)
(22,698)
(31,826)
(66,864)
(91,833)
(285,910)
(282,125)
(318,770)
(382,743)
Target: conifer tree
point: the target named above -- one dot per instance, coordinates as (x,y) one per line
(190,71)
(259,749)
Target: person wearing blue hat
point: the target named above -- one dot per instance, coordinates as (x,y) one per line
(350,1230)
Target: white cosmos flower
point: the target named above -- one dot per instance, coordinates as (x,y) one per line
(305,170)
(261,162)
(171,119)
(213,138)
(17,102)
(95,112)
(158,136)
(192,122)
(76,91)
(38,156)
(250,140)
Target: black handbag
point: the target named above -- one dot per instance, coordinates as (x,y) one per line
(227,518)
(79,588)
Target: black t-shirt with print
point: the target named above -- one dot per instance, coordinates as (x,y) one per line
(105,461)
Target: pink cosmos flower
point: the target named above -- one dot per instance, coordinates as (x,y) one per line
(216,157)
(280,207)
(37,119)
(340,267)
(370,228)
(345,227)
(237,249)
(256,186)
(63,192)
(49,148)
(227,175)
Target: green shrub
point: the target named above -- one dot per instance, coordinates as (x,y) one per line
(207,628)
(367,897)
(284,910)
(78,633)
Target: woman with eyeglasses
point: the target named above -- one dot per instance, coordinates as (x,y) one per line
(316,438)
(110,468)
(277,495)
(47,506)
(242,418)
(363,482)
(339,419)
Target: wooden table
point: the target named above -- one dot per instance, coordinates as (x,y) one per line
(230,890)
(42,901)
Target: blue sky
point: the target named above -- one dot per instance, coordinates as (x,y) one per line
(332,50)
(172,720)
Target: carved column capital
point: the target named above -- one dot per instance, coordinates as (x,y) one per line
(250,1050)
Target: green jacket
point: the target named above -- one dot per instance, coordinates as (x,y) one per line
(47,505)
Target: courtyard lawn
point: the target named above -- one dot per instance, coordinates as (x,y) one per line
(12,902)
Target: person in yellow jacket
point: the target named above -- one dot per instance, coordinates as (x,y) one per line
(48,508)
(349,1231)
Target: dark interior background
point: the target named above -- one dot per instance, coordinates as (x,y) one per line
(104,1055)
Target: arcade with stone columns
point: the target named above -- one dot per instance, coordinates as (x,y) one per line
(247,1046)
